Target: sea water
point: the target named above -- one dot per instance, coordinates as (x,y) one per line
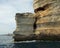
(8,42)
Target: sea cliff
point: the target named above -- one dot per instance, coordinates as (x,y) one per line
(44,24)
(24,25)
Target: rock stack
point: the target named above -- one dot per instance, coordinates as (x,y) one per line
(47,14)
(24,25)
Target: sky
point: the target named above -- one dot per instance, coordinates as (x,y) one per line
(8,9)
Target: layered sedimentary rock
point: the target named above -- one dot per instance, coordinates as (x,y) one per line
(44,24)
(47,14)
(24,25)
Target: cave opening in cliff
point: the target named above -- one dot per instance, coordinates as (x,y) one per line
(43,7)
(39,9)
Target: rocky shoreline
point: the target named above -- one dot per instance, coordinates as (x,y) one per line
(40,37)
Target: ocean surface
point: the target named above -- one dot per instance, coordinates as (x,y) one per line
(8,42)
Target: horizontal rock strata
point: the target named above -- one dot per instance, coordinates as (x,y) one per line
(44,24)
(47,13)
(24,25)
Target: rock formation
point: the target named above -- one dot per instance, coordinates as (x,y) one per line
(48,18)
(24,25)
(44,24)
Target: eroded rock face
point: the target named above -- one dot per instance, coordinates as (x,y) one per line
(24,25)
(43,25)
(48,17)
(47,7)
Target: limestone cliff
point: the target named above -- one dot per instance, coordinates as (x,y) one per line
(24,25)
(48,18)
(44,24)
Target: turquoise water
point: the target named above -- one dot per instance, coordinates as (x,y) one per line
(7,42)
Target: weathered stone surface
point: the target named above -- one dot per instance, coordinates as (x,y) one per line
(24,25)
(45,3)
(24,18)
(24,38)
(26,33)
(41,3)
(47,14)
(43,25)
(23,15)
(48,31)
(49,24)
(48,19)
(45,7)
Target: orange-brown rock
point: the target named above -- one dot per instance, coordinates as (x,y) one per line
(47,13)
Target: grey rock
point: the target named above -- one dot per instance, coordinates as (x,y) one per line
(24,24)
(25,20)
(26,33)
(24,27)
